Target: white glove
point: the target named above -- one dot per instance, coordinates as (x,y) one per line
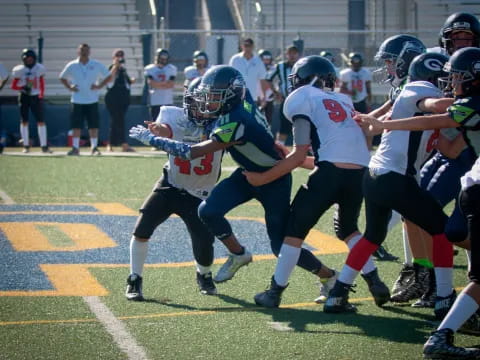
(142,134)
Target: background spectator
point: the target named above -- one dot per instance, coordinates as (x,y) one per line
(161,80)
(252,69)
(117,100)
(80,76)
(280,76)
(3,81)
(28,79)
(267,60)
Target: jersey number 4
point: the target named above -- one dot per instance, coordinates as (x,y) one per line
(336,111)
(185,166)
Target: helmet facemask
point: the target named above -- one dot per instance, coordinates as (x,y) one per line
(212,101)
(456,79)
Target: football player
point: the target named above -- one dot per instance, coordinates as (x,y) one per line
(242,130)
(29,80)
(199,66)
(464,80)
(393,166)
(183,186)
(356,82)
(320,116)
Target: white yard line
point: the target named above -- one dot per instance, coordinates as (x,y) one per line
(7,200)
(116,328)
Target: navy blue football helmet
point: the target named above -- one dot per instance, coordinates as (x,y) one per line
(315,70)
(428,67)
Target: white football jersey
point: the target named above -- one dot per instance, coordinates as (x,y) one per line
(404,151)
(197,176)
(161,74)
(472,177)
(29,75)
(356,82)
(191,72)
(337,138)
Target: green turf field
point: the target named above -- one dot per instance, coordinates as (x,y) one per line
(176,322)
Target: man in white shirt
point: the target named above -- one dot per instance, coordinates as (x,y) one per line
(252,69)
(81,77)
(161,80)
(3,81)
(356,82)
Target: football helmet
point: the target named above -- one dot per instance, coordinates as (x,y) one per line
(394,57)
(162,56)
(265,54)
(190,106)
(221,89)
(460,21)
(29,53)
(428,67)
(200,55)
(463,70)
(328,55)
(314,70)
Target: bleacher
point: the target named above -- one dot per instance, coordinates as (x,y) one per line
(103,24)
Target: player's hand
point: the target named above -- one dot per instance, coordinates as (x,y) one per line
(367,119)
(73,88)
(141,134)
(282,150)
(154,128)
(254,178)
(95,87)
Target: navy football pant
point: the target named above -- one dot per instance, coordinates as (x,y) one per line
(275,199)
(470,205)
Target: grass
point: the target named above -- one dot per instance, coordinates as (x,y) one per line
(177,322)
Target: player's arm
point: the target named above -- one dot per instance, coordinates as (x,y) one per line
(368,86)
(381,110)
(415,123)
(344,89)
(296,158)
(177,148)
(435,105)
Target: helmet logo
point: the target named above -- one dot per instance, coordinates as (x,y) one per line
(433,64)
(476,67)
(461,25)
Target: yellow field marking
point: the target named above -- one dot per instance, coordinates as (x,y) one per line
(68,280)
(117,209)
(114,209)
(25,236)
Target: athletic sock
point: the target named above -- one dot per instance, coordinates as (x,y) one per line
(444,280)
(24,134)
(443,262)
(287,259)
(76,142)
(407,251)
(423,262)
(138,255)
(464,307)
(202,270)
(42,135)
(94,142)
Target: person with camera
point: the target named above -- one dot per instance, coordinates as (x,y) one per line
(117,100)
(28,80)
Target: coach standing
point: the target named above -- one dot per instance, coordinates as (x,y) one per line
(80,76)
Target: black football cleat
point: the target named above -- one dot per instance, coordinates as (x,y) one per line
(416,287)
(404,277)
(440,346)
(378,289)
(381,254)
(443,305)
(337,301)
(205,283)
(134,288)
(272,297)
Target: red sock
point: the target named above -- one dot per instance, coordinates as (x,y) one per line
(360,253)
(442,251)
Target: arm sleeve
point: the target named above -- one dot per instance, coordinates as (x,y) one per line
(465,112)
(227,130)
(301,130)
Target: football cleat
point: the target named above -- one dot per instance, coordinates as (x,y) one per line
(381,254)
(73,152)
(440,346)
(26,149)
(427,300)
(205,283)
(415,288)
(46,150)
(134,288)
(271,297)
(337,300)
(232,265)
(380,291)
(471,326)
(404,277)
(95,152)
(325,286)
(443,304)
